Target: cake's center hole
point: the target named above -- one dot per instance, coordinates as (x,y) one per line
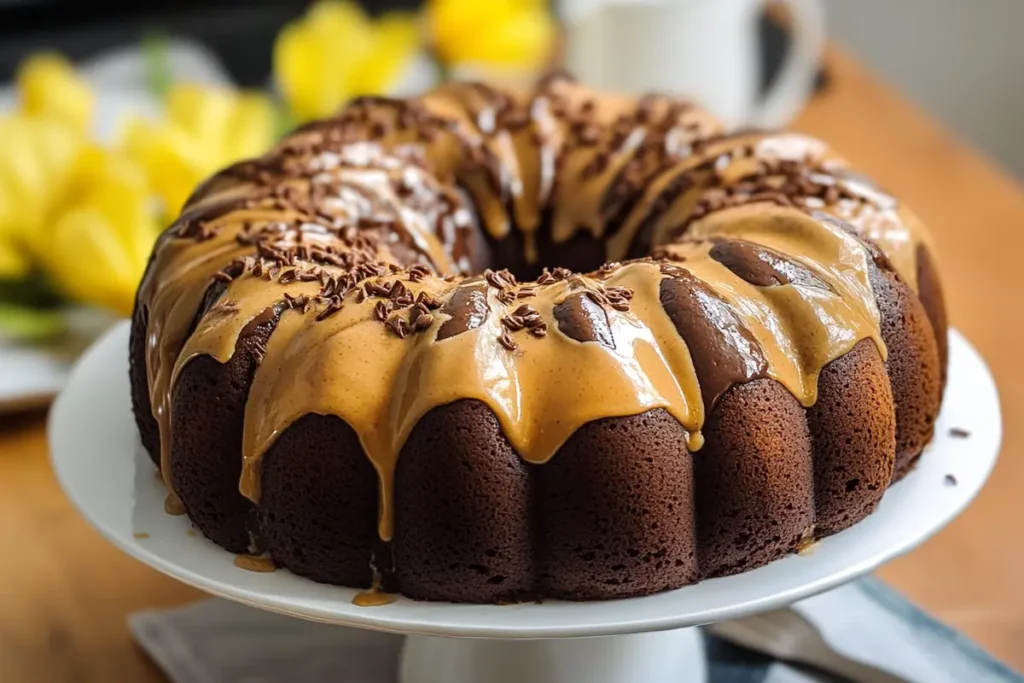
(581,253)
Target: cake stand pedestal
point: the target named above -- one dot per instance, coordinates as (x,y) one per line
(102,467)
(675,656)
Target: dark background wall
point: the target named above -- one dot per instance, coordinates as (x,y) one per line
(241,32)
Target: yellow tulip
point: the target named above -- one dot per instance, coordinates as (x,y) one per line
(35,167)
(204,130)
(515,34)
(79,213)
(396,38)
(13,262)
(75,210)
(100,240)
(48,87)
(336,52)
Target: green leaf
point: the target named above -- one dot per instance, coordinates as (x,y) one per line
(33,291)
(285,123)
(158,67)
(26,324)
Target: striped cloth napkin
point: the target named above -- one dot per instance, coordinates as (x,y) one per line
(216,640)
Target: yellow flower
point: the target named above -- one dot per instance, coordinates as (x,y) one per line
(99,241)
(40,142)
(336,52)
(204,130)
(35,168)
(515,34)
(75,210)
(48,87)
(78,212)
(13,263)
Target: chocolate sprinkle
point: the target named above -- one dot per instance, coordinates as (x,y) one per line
(506,340)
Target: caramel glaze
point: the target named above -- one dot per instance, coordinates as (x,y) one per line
(374,597)
(328,208)
(787,169)
(173,505)
(344,243)
(255,563)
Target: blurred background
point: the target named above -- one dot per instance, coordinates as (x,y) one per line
(111,113)
(958,59)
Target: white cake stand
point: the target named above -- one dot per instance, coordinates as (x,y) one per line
(102,467)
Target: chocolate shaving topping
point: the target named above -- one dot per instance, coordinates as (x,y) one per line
(430,302)
(400,294)
(500,279)
(333,306)
(506,340)
(417,273)
(672,270)
(513,322)
(423,321)
(807,185)
(397,326)
(300,302)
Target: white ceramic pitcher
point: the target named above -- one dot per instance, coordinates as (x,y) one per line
(703,49)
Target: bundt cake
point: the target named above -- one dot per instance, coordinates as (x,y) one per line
(371,355)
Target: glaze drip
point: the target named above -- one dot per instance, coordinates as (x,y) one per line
(343,243)
(545,386)
(785,169)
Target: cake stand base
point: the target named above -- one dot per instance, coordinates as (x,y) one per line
(675,656)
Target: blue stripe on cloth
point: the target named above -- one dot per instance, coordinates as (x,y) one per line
(930,629)
(728,663)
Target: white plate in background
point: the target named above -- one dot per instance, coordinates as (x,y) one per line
(31,375)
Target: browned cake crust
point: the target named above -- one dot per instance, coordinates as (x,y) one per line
(615,510)
(853,437)
(929,290)
(913,366)
(462,502)
(209,412)
(753,478)
(628,503)
(149,432)
(319,507)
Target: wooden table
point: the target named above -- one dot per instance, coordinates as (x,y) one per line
(65,592)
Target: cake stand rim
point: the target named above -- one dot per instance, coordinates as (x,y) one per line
(107,358)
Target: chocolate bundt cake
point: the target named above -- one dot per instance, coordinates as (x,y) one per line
(484,346)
